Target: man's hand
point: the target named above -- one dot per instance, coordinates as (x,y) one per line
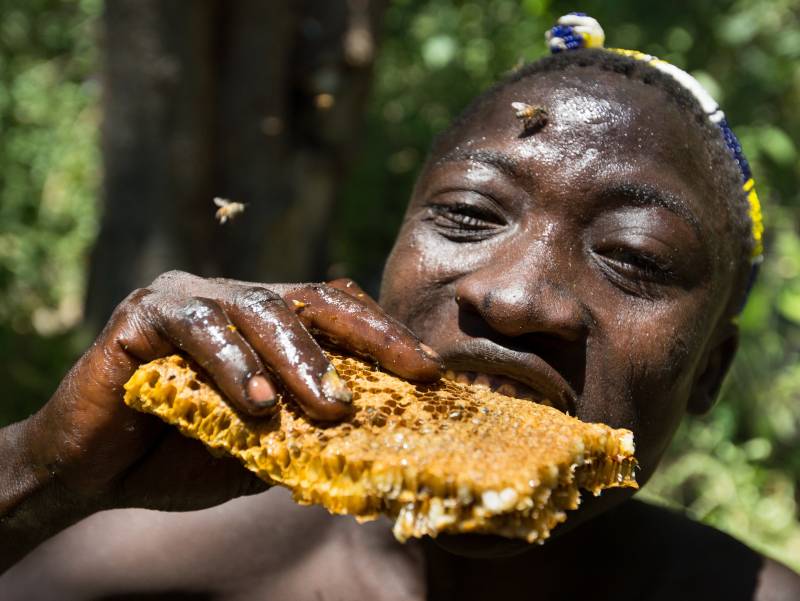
(85,450)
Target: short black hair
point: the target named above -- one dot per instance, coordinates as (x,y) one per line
(727,177)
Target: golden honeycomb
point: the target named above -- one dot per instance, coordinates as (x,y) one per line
(436,457)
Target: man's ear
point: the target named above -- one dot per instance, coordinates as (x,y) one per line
(709,380)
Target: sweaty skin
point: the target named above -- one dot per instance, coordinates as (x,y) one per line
(587,260)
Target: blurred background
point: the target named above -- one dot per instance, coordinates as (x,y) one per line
(120,120)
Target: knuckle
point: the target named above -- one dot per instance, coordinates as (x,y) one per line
(255,298)
(132,302)
(170,277)
(137,325)
(224,281)
(344,283)
(328,293)
(129,312)
(197,309)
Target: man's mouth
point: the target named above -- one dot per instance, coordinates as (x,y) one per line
(520,375)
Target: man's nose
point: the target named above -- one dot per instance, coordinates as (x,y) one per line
(525,297)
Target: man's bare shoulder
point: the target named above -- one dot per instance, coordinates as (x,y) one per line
(128,551)
(260,547)
(677,555)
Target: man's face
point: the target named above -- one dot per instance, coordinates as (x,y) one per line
(585,261)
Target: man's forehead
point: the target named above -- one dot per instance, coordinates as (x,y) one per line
(578,107)
(590,108)
(600,124)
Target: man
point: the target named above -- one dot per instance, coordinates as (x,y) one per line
(599,255)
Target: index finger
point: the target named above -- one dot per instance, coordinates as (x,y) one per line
(363,327)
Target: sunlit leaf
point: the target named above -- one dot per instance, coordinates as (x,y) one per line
(776,144)
(438,51)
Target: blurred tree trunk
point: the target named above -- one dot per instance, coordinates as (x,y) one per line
(257,101)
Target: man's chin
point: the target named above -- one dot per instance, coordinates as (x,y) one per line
(489,546)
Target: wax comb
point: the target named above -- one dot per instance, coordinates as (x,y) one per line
(440,457)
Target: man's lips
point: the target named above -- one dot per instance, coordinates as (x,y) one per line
(523,375)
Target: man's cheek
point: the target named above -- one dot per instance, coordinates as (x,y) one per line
(414,284)
(652,361)
(655,352)
(652,340)
(400,273)
(639,356)
(441,258)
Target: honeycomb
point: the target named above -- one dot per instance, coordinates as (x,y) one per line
(436,457)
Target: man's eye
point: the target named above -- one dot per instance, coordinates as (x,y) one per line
(465,221)
(638,267)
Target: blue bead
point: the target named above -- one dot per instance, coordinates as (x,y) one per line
(561,31)
(736,149)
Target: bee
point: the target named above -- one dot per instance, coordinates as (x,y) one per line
(227,209)
(532,117)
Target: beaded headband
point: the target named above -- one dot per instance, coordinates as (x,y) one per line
(577,30)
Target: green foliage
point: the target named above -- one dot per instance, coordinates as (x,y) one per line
(48,171)
(738,468)
(48,124)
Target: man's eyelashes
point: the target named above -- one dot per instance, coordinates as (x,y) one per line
(636,272)
(464,221)
(638,264)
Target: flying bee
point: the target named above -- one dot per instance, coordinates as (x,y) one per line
(227,209)
(532,117)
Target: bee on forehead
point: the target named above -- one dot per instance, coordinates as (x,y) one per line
(533,117)
(227,209)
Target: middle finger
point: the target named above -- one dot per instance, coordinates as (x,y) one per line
(290,351)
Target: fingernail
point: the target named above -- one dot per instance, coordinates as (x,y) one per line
(429,352)
(261,392)
(335,388)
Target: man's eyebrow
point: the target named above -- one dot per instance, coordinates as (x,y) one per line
(643,195)
(633,194)
(498,160)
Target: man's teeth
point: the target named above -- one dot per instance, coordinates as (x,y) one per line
(499,384)
(463,377)
(482,380)
(507,389)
